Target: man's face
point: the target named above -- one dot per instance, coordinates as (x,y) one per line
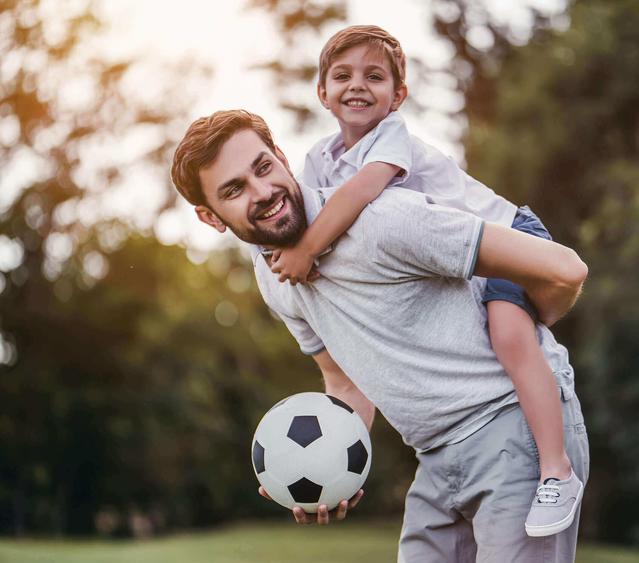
(252,192)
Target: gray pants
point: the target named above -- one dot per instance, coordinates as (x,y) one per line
(469,500)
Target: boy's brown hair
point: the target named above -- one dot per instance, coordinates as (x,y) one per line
(202,143)
(371,35)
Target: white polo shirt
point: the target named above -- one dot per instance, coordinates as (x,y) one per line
(426,169)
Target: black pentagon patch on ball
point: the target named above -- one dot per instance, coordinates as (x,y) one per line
(258,457)
(305,491)
(304,430)
(357,457)
(340,403)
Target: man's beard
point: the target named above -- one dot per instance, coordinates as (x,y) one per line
(285,232)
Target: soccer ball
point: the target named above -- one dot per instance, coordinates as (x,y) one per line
(311,449)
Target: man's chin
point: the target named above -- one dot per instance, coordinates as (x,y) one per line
(281,235)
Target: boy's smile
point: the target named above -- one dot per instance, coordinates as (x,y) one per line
(360,91)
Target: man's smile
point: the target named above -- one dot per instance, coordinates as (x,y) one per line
(274,211)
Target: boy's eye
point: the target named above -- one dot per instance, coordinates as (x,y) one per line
(341,76)
(375,77)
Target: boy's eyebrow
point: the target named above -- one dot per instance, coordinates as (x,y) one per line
(237,180)
(348,67)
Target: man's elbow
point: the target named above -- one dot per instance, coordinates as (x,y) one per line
(573,272)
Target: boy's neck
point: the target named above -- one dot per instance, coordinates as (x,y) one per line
(352,136)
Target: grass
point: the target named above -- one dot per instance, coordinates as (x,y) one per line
(349,542)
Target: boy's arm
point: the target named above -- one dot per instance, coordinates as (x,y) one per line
(551,274)
(337,216)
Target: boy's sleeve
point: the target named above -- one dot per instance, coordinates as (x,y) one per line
(391,144)
(413,237)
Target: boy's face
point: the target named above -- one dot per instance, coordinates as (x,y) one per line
(359,90)
(250,190)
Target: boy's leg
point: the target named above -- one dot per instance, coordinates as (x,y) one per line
(433,530)
(500,468)
(514,341)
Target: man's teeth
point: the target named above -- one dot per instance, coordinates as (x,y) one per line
(274,210)
(357,103)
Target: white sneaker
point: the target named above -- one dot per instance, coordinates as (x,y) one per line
(554,506)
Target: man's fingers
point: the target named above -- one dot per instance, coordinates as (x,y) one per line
(342,509)
(263,492)
(322,515)
(300,515)
(352,503)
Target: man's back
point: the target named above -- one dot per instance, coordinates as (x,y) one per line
(411,339)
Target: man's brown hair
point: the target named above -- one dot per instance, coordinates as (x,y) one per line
(370,35)
(202,143)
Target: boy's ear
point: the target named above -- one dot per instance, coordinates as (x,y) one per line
(321,94)
(206,215)
(399,97)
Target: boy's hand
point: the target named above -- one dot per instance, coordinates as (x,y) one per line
(293,264)
(323,515)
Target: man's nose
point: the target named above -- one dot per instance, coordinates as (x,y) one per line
(261,190)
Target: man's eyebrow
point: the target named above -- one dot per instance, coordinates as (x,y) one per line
(236,181)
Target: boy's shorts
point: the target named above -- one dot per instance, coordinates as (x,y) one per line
(503,290)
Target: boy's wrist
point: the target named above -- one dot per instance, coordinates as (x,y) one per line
(307,247)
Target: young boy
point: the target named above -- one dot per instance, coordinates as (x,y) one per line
(361,81)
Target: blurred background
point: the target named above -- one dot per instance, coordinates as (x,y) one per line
(136,355)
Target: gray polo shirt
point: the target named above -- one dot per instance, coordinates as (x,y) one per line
(395,309)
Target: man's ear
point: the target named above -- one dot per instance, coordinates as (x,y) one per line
(321,94)
(399,97)
(207,216)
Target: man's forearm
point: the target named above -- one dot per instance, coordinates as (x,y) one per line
(339,385)
(353,397)
(551,274)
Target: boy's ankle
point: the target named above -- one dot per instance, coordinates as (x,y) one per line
(559,470)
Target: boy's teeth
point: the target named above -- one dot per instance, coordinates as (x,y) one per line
(357,103)
(274,210)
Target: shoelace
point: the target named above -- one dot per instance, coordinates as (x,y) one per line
(547,494)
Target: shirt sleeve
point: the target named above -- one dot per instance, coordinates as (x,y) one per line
(308,341)
(391,144)
(412,237)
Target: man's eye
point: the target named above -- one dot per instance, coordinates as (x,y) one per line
(263,168)
(233,191)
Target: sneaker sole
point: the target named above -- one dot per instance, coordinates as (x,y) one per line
(551,529)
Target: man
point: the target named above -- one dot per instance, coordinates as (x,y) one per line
(395,323)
